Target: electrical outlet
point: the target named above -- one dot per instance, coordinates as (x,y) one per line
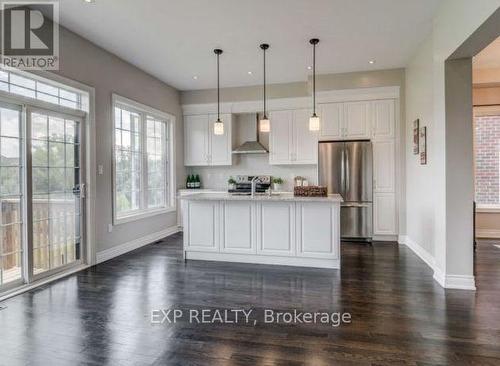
(110,228)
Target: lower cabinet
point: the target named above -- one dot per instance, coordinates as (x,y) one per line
(312,238)
(384,214)
(276,228)
(202,232)
(237,227)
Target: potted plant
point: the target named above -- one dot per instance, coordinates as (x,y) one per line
(231,183)
(277,184)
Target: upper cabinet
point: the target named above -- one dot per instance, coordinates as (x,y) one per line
(345,121)
(357,122)
(201,146)
(220,145)
(331,121)
(305,142)
(280,137)
(196,140)
(383,123)
(290,141)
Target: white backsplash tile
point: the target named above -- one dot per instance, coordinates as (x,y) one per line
(216,177)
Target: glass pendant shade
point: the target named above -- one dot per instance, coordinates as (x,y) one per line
(314,123)
(264,125)
(218,127)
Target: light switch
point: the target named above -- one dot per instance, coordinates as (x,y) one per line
(100,169)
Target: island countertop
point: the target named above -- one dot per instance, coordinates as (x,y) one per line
(287,197)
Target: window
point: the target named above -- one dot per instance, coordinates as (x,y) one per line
(31,86)
(487,156)
(142,160)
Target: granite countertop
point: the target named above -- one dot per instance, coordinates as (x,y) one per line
(332,198)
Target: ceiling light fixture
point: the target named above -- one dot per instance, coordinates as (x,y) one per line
(309,67)
(89,1)
(371,62)
(195,77)
(218,125)
(314,120)
(249,72)
(265,124)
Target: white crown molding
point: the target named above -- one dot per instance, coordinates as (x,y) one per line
(331,96)
(118,250)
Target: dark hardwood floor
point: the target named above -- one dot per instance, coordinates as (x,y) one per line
(400,316)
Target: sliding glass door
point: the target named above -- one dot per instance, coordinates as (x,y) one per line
(41,193)
(11,196)
(54,173)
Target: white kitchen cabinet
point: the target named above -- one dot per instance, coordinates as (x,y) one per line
(202,233)
(290,141)
(384,218)
(312,238)
(383,123)
(280,137)
(305,142)
(331,121)
(238,227)
(196,140)
(201,146)
(357,120)
(384,161)
(220,152)
(276,228)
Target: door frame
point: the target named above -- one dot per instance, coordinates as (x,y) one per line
(90,155)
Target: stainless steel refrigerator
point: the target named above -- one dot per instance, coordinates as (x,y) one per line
(345,167)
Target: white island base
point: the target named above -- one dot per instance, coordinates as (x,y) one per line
(278,230)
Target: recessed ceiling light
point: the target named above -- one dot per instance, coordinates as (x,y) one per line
(309,67)
(249,73)
(371,62)
(89,1)
(195,77)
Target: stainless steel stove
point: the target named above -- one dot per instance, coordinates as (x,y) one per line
(244,184)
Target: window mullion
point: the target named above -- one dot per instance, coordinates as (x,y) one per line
(144,162)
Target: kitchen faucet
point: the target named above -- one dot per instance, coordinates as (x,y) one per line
(254,184)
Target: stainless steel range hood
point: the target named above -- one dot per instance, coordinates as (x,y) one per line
(252,147)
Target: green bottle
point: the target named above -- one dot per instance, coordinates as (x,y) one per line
(198,181)
(188,182)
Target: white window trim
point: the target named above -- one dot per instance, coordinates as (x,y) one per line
(171,161)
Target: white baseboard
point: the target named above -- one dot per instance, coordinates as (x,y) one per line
(113,252)
(458,282)
(263,259)
(418,250)
(488,234)
(384,238)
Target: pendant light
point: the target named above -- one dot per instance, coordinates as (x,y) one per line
(218,125)
(264,125)
(314,120)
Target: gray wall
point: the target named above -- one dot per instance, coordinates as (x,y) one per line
(87,63)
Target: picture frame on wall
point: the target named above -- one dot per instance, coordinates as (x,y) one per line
(416,125)
(422,141)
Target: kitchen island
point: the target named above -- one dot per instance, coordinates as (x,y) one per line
(278,229)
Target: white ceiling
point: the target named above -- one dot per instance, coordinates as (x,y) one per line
(489,58)
(174,39)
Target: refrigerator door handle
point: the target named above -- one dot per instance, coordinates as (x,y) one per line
(342,172)
(347,170)
(352,204)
